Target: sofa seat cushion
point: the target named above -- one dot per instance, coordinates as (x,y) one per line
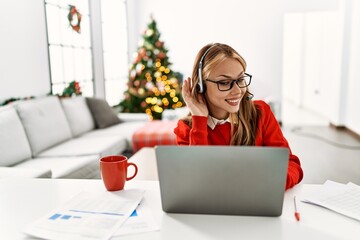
(15,172)
(81,146)
(125,129)
(14,145)
(44,122)
(67,167)
(78,115)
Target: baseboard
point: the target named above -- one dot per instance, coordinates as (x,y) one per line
(347,130)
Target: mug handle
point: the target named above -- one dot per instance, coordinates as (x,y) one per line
(136,170)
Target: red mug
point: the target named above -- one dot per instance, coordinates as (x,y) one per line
(114,171)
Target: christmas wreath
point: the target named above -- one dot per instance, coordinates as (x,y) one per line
(74,23)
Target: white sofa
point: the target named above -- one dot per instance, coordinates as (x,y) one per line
(60,138)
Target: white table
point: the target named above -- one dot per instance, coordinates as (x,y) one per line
(146,162)
(25,200)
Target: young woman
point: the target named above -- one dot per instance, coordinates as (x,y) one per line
(221,109)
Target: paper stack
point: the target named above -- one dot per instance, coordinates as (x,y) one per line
(341,198)
(92,216)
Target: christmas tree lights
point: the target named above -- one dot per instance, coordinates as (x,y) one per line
(152,86)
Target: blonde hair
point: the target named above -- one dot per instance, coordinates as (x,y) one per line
(246,119)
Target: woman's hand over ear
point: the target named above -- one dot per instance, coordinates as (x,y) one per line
(197,107)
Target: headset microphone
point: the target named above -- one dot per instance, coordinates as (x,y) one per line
(249,96)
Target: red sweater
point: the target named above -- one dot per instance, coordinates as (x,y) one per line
(268,134)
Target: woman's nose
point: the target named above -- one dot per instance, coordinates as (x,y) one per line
(236,89)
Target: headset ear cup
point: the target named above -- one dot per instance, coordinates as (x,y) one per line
(199,84)
(198,89)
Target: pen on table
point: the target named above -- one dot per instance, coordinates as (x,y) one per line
(297,214)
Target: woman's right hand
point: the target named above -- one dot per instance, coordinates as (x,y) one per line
(197,107)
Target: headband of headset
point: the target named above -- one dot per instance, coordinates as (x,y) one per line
(200,85)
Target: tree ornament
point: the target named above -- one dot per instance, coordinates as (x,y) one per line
(159,44)
(142,52)
(161,55)
(141,91)
(149,32)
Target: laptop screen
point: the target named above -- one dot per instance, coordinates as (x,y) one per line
(229,180)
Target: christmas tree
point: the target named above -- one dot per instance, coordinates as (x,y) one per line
(152,85)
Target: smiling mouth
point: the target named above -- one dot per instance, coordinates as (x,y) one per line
(233,102)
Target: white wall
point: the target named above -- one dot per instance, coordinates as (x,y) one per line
(253,28)
(293,55)
(312,53)
(24,65)
(322,65)
(321,60)
(352,114)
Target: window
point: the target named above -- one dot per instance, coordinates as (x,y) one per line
(115,49)
(70,52)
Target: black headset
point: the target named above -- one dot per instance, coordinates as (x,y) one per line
(201,87)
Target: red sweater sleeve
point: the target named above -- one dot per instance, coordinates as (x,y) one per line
(269,134)
(197,135)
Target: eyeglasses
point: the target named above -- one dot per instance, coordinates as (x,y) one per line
(226,85)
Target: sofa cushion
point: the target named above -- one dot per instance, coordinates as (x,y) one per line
(14,146)
(15,172)
(102,113)
(125,129)
(99,146)
(44,122)
(78,115)
(69,167)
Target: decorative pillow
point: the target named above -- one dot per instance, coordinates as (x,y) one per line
(78,115)
(102,113)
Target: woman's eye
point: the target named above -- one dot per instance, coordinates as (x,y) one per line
(224,83)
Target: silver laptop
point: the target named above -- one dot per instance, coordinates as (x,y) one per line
(226,180)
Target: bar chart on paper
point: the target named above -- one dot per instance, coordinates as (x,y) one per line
(58,216)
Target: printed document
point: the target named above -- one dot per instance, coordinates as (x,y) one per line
(140,221)
(341,198)
(88,216)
